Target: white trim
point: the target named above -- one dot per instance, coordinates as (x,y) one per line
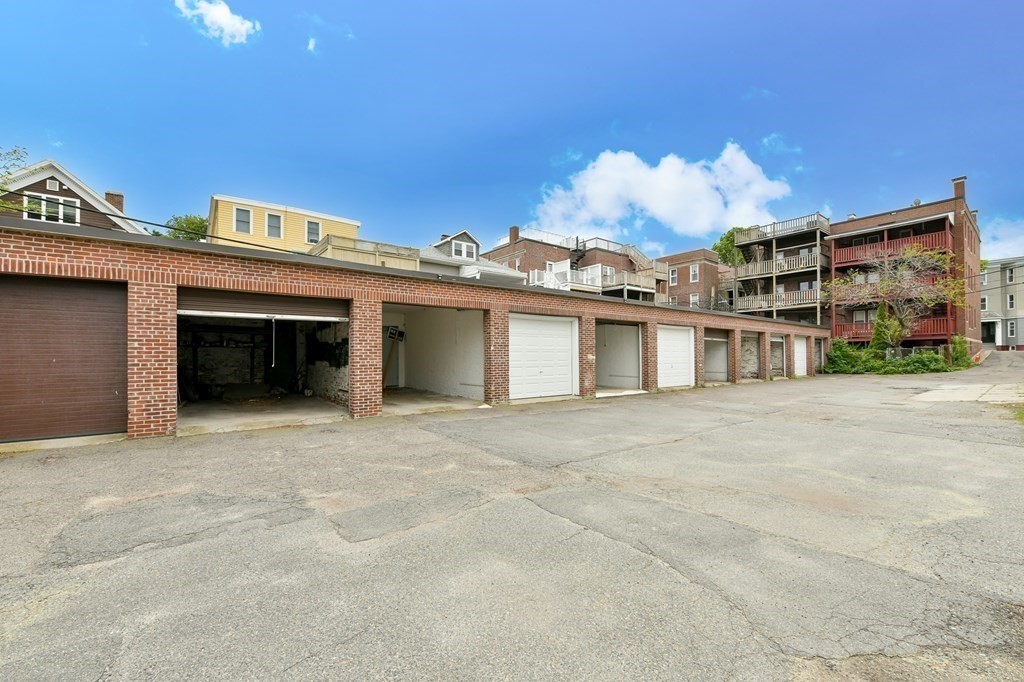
(30,174)
(887,226)
(1011,329)
(694,300)
(261,316)
(983,306)
(319,231)
(458,234)
(286,209)
(234,220)
(1011,301)
(694,273)
(673,277)
(59,200)
(266,224)
(463,244)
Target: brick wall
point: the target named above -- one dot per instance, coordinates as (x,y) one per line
(154,269)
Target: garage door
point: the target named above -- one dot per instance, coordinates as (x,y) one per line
(675,356)
(63,358)
(800,356)
(541,356)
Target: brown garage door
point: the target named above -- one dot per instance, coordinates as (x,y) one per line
(63,358)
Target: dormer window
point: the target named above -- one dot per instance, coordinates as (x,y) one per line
(465,250)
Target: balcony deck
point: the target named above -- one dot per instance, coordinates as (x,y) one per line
(807,223)
(766,268)
(789,299)
(928,328)
(853,255)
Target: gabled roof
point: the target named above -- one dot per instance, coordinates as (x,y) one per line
(463,234)
(48,167)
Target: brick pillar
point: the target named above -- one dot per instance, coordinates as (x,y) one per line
(365,373)
(790,355)
(649,356)
(764,371)
(698,356)
(734,355)
(811,369)
(152,359)
(495,356)
(588,357)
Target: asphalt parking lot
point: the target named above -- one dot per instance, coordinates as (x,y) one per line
(828,528)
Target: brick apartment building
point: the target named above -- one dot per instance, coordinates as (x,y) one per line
(947,226)
(594,265)
(695,279)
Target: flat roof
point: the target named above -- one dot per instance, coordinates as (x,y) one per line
(282,207)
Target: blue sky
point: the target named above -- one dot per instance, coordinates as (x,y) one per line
(653,122)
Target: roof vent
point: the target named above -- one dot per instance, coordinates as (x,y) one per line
(851,216)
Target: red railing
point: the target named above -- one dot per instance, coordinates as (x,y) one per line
(848,255)
(861,331)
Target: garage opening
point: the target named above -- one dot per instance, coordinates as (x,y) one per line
(778,355)
(750,355)
(259,360)
(716,355)
(543,356)
(432,359)
(63,358)
(675,356)
(618,359)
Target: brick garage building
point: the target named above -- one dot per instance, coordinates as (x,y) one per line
(152,271)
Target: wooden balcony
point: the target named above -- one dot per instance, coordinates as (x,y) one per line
(851,255)
(789,299)
(928,328)
(807,223)
(766,268)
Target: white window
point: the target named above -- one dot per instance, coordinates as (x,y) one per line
(518,263)
(1009,275)
(873,277)
(607,271)
(274,226)
(673,300)
(806,286)
(695,273)
(549,266)
(51,209)
(984,277)
(984,303)
(860,316)
(673,277)
(1011,328)
(465,250)
(780,288)
(52,185)
(694,300)
(1011,301)
(312,231)
(243,220)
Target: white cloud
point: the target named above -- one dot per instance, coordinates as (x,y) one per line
(693,199)
(311,45)
(758,93)
(570,155)
(775,144)
(826,209)
(653,248)
(1002,238)
(218,20)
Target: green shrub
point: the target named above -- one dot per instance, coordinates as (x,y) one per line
(845,358)
(918,363)
(961,353)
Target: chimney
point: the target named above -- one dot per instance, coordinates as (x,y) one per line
(959,187)
(115,199)
(974,214)
(513,234)
(851,216)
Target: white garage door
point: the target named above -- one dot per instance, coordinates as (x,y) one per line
(542,356)
(675,356)
(800,356)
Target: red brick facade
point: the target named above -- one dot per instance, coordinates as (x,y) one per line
(154,268)
(707,285)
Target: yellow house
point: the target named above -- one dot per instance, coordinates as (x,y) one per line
(273,226)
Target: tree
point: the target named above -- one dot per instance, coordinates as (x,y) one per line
(10,161)
(887,332)
(189,227)
(909,284)
(726,249)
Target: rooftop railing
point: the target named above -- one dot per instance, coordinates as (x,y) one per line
(806,223)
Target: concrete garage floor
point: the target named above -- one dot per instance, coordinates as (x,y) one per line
(216,416)
(834,528)
(407,401)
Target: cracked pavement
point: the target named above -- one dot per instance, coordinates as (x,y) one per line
(825,529)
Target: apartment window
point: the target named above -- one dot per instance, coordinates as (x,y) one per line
(858,241)
(673,300)
(694,300)
(607,271)
(694,273)
(806,286)
(1011,301)
(1009,275)
(903,234)
(984,304)
(51,209)
(243,220)
(464,250)
(1011,328)
(312,231)
(673,277)
(549,266)
(873,239)
(780,288)
(984,277)
(273,226)
(518,263)
(860,316)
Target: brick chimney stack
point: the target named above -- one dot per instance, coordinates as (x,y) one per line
(115,199)
(513,234)
(959,187)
